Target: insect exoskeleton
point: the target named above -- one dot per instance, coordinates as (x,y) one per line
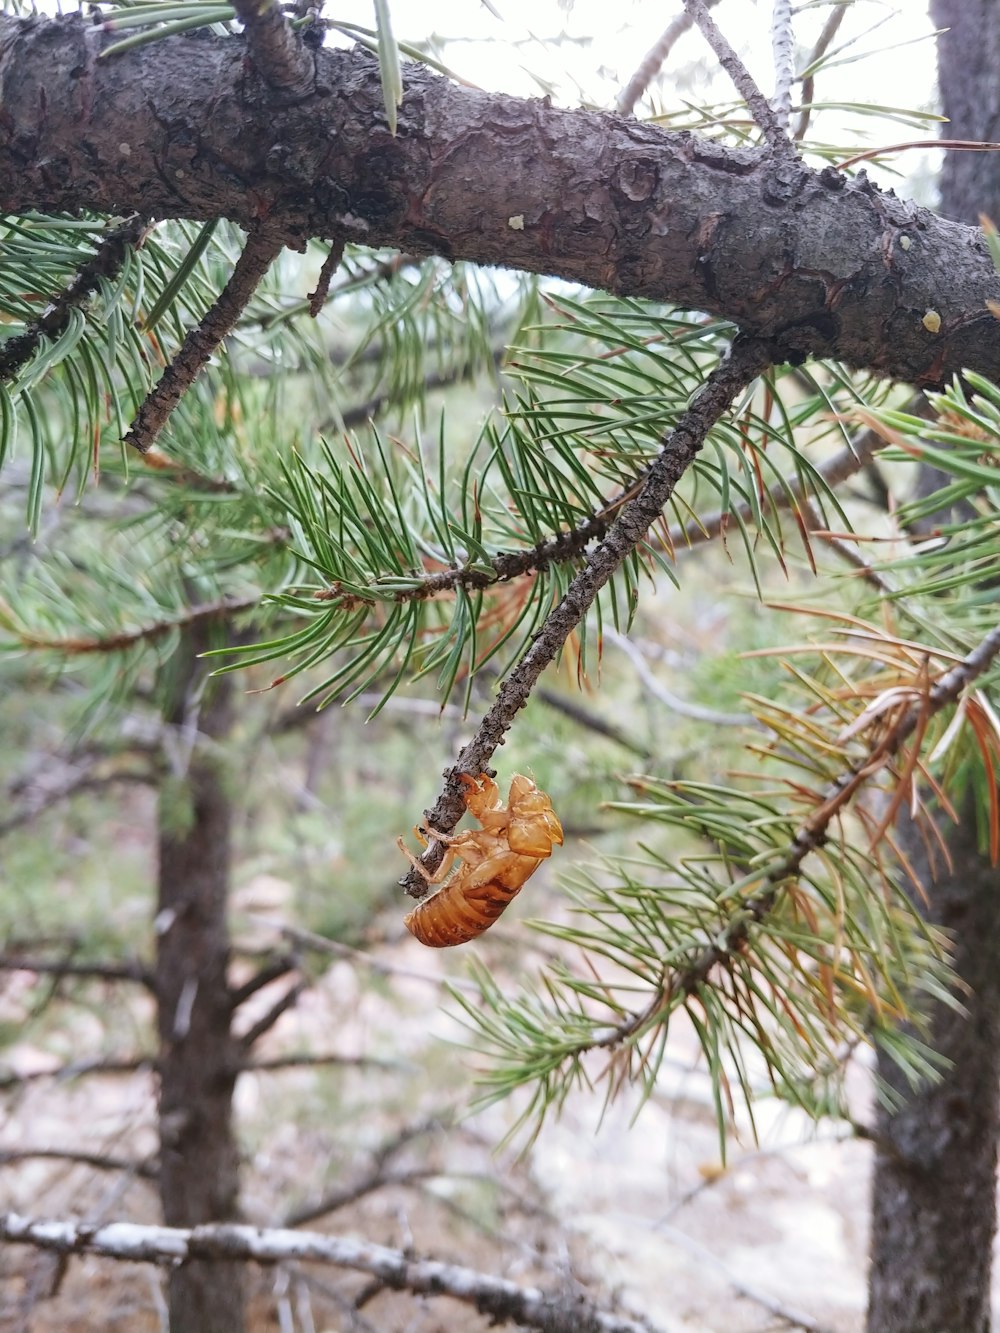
(496,861)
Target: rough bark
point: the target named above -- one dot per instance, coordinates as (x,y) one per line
(934,1186)
(198,1056)
(183,128)
(933,1213)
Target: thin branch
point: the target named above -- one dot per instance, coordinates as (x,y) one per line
(128,638)
(258,255)
(585,717)
(787,1314)
(132,1064)
(746,361)
(501,1300)
(268,1020)
(652,62)
(760,107)
(669,700)
(73,786)
(834,19)
(272,971)
(105,264)
(309,1060)
(62,967)
(783,49)
(331,263)
(77,1069)
(141,1167)
(280,58)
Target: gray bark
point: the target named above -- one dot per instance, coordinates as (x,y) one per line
(198,1056)
(934,1185)
(822,264)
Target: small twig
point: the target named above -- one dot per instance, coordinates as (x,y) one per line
(86,781)
(499,1299)
(78,1069)
(834,19)
(281,59)
(311,1060)
(268,1020)
(105,264)
(747,360)
(331,263)
(760,107)
(141,1167)
(783,47)
(62,967)
(127,638)
(652,62)
(669,700)
(794,1318)
(272,971)
(307,939)
(258,255)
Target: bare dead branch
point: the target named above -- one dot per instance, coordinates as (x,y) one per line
(133,970)
(783,48)
(134,1166)
(652,62)
(502,1300)
(272,971)
(746,361)
(834,19)
(760,108)
(259,253)
(331,263)
(268,1020)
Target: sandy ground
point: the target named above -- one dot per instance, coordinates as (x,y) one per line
(642,1215)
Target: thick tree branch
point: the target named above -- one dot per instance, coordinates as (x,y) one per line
(825,265)
(503,1301)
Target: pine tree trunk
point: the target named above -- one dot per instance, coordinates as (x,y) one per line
(198,1152)
(934,1186)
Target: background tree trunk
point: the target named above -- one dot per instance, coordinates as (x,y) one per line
(198,1055)
(934,1186)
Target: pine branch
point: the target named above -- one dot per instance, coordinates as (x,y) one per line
(258,255)
(746,361)
(809,837)
(104,265)
(499,1299)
